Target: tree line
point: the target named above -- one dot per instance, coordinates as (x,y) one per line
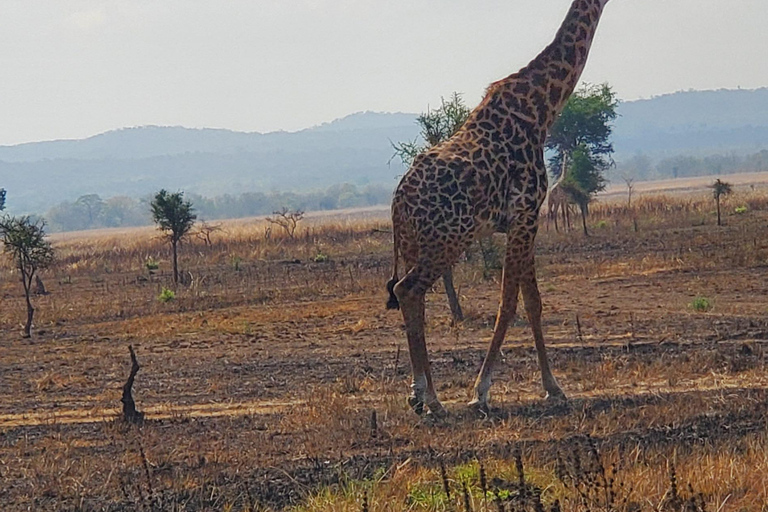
(91,211)
(642,168)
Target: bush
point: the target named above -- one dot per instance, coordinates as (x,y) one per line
(701,304)
(151,265)
(166,295)
(741,210)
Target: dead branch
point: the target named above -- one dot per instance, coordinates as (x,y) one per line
(287,219)
(130,414)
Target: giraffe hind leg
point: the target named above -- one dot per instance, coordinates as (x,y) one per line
(392,302)
(410,292)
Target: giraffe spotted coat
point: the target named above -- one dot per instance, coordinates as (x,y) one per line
(489,177)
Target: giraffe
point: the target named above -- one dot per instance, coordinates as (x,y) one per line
(490,176)
(558,200)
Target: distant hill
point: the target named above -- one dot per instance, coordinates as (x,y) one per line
(695,123)
(355,149)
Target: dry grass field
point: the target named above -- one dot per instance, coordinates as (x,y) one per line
(275,379)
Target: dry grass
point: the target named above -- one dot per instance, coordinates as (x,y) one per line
(260,379)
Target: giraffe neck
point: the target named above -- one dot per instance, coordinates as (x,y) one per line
(547,82)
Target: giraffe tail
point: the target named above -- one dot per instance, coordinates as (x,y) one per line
(393,303)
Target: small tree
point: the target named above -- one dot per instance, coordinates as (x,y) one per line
(174,216)
(630,188)
(205,230)
(287,219)
(720,188)
(24,243)
(2,199)
(582,135)
(436,126)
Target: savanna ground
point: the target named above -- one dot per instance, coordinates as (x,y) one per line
(261,379)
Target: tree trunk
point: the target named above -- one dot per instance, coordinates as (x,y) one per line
(584,218)
(175,263)
(453,298)
(30,314)
(26,281)
(717,200)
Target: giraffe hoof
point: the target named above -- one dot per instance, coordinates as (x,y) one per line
(479,406)
(416,404)
(437,411)
(556,395)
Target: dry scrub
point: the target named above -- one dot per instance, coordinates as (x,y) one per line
(260,380)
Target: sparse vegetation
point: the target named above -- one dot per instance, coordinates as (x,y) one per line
(173,215)
(701,304)
(25,245)
(287,219)
(258,383)
(720,189)
(166,295)
(152,265)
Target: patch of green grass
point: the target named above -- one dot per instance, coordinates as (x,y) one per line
(701,304)
(166,295)
(740,210)
(235,261)
(151,265)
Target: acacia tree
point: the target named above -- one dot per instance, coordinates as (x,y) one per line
(287,219)
(437,125)
(719,189)
(582,134)
(174,216)
(25,245)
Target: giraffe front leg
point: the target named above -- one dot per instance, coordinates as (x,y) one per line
(532,300)
(507,308)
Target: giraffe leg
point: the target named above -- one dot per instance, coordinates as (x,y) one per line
(510,287)
(532,300)
(410,292)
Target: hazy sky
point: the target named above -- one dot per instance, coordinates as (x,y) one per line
(75,68)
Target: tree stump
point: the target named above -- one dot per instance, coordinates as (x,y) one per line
(130,414)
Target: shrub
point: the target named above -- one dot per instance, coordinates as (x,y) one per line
(701,304)
(166,295)
(741,210)
(235,261)
(151,265)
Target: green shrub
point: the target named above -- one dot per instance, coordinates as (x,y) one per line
(601,224)
(321,257)
(151,265)
(234,261)
(166,295)
(701,304)
(741,210)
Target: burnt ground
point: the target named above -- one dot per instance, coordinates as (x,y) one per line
(259,385)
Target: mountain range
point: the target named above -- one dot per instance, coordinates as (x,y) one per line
(356,149)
